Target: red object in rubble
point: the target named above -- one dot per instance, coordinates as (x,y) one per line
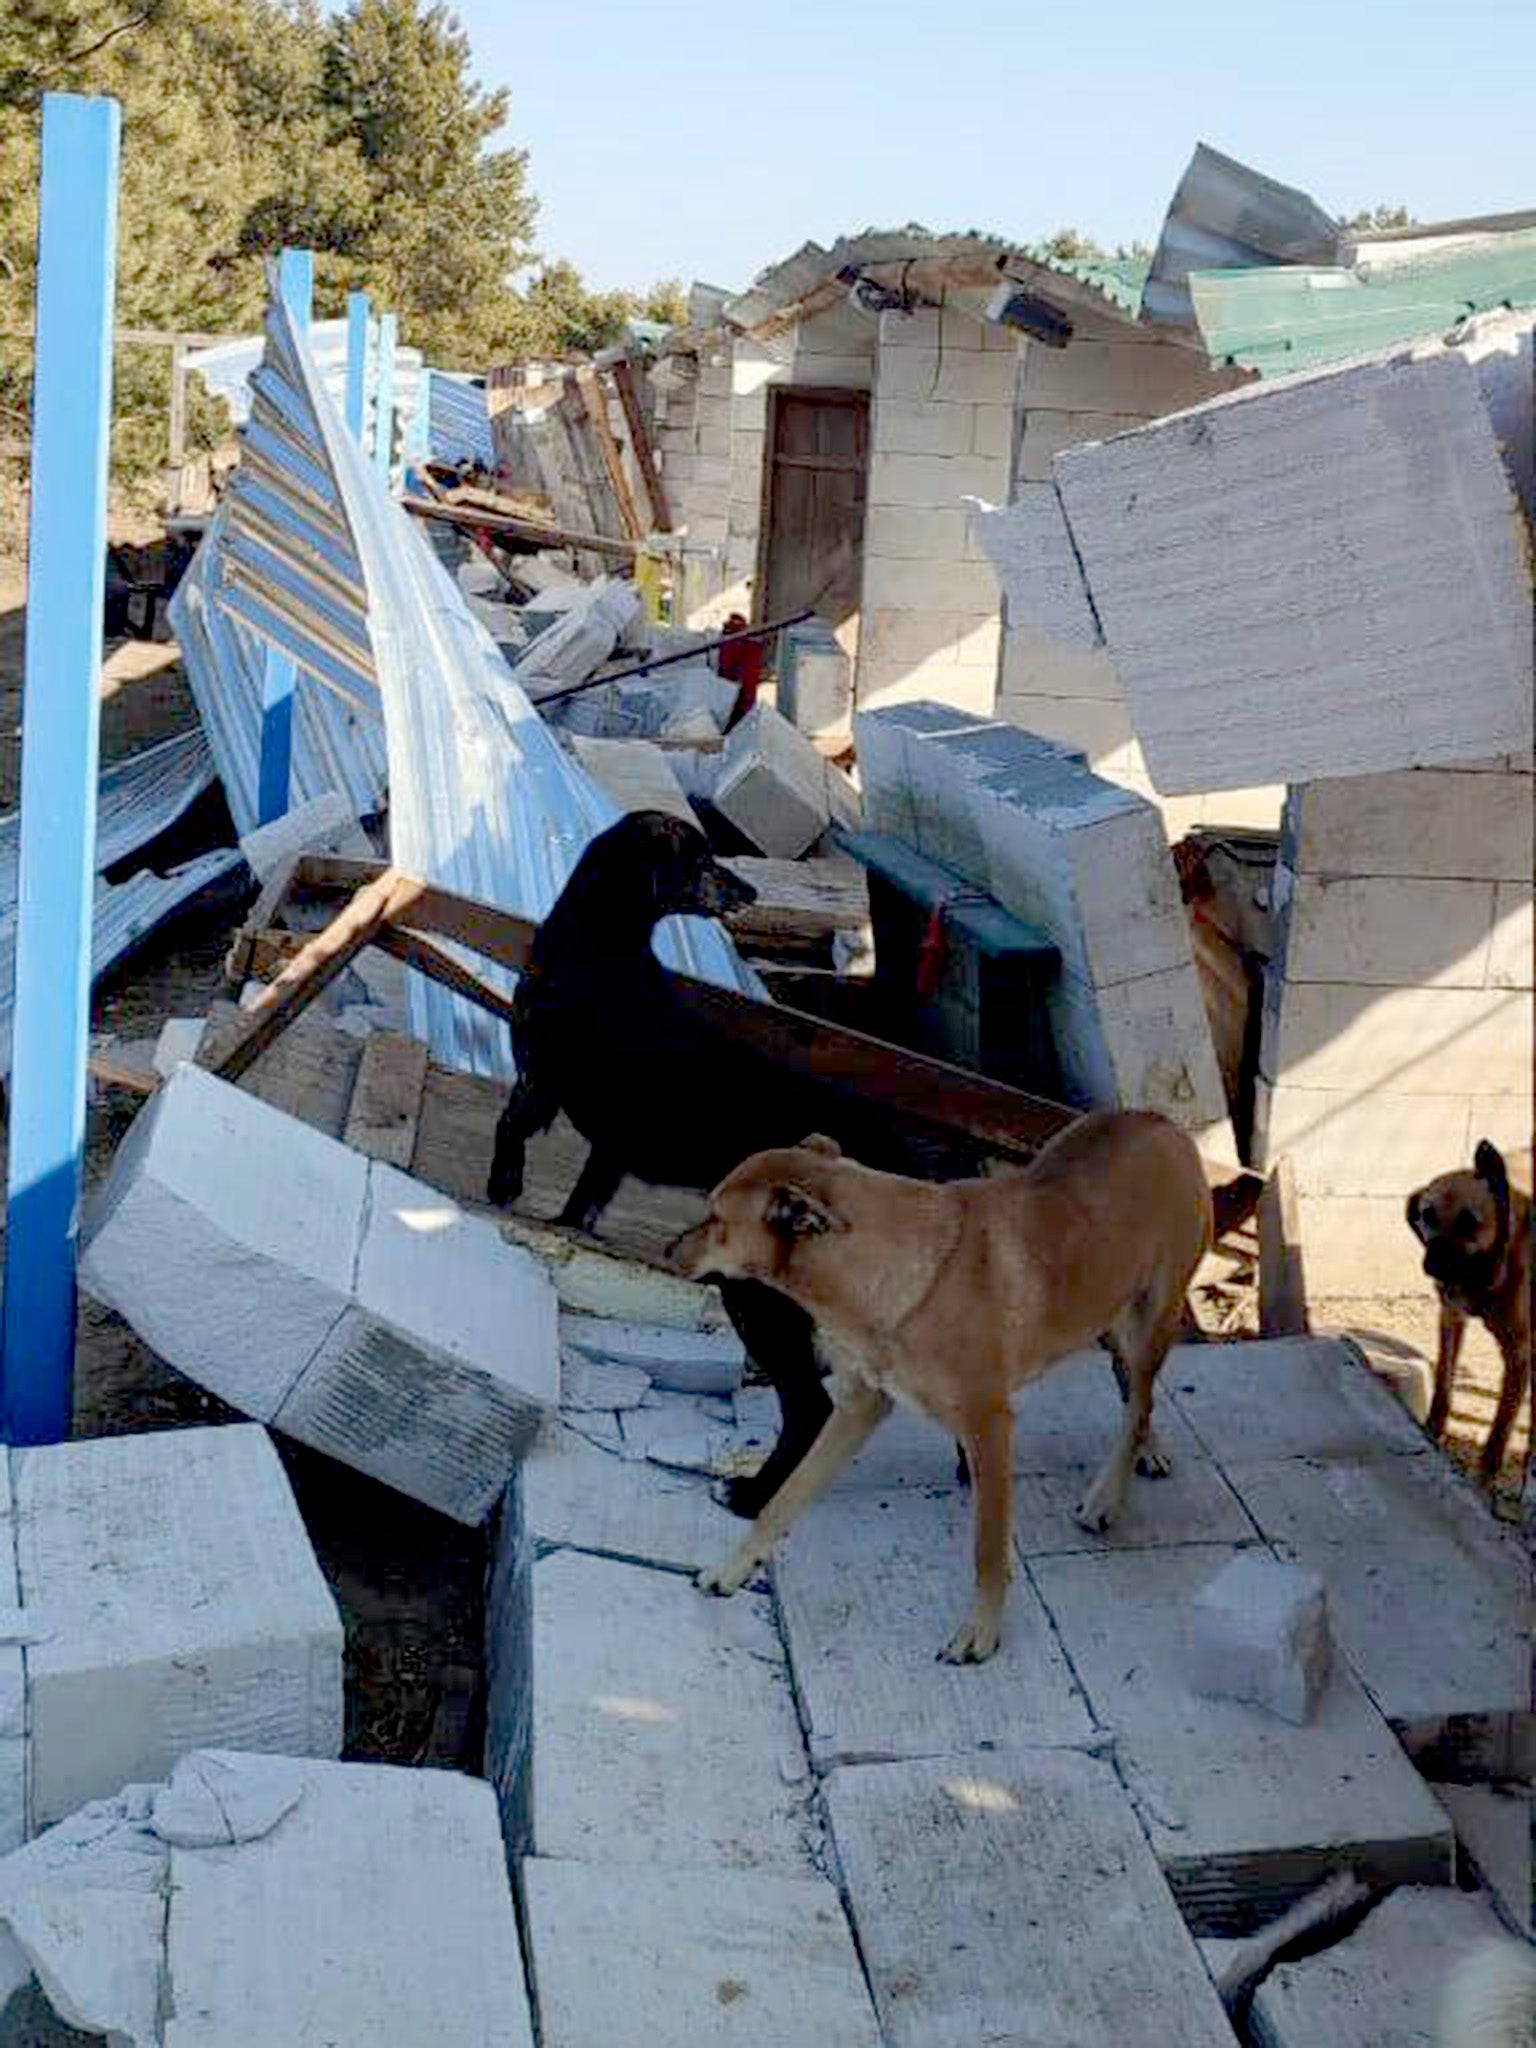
(741,664)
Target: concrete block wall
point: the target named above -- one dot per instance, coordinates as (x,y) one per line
(1100,385)
(1398,1014)
(941,429)
(833,349)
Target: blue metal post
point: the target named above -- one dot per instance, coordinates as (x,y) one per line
(357,361)
(71,429)
(384,398)
(296,283)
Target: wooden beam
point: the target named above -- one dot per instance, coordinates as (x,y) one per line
(593,399)
(1282,1274)
(431,960)
(386,1099)
(534,532)
(312,969)
(640,441)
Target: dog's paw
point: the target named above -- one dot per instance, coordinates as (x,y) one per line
(721,1580)
(1094,1513)
(746,1496)
(1154,1462)
(973,1644)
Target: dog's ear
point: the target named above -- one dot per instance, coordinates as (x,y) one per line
(793,1211)
(1488,1165)
(829,1148)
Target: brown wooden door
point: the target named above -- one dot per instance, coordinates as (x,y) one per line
(813,510)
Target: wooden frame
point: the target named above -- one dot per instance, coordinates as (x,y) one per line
(833,394)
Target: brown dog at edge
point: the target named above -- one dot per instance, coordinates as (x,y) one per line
(950,1297)
(1476,1231)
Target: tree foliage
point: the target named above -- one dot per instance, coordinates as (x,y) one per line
(1379,219)
(250,124)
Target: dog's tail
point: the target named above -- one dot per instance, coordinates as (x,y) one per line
(1489,1999)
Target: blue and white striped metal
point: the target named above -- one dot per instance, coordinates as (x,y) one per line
(311,553)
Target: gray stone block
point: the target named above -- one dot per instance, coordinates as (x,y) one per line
(1258,1631)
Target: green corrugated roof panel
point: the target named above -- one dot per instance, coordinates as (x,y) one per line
(1120,278)
(1284,319)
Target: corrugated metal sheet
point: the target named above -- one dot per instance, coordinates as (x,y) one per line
(1296,319)
(137,800)
(227,368)
(459,428)
(310,553)
(1224,216)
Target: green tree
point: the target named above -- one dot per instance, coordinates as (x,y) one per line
(1379,220)
(565,319)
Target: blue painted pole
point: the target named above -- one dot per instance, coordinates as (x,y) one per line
(296,284)
(384,398)
(71,431)
(357,361)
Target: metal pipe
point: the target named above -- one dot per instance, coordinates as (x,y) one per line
(645,668)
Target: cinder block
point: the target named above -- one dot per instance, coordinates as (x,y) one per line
(935,480)
(1494,1829)
(588,1498)
(178,1604)
(259,1898)
(377,1910)
(1243,1811)
(1429,1041)
(907,534)
(664,1733)
(1143,377)
(904,426)
(1382,1983)
(681,1361)
(1046,433)
(1390,932)
(815,681)
(871,1586)
(954,376)
(702,1962)
(1512,951)
(1359,1245)
(929,585)
(1032,556)
(773,787)
(1195,540)
(359,1310)
(992,431)
(1012,1899)
(1340,1142)
(1429,1597)
(1258,1632)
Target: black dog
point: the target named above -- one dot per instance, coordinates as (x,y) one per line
(599,1033)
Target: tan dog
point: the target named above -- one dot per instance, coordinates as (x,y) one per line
(951,1297)
(1476,1231)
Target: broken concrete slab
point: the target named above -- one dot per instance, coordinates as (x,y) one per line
(1287,1397)
(871,1586)
(359,1310)
(702,1963)
(590,1282)
(1267,623)
(1430,1598)
(581,635)
(1380,1985)
(1495,1828)
(597,1500)
(1012,1899)
(685,1361)
(664,1732)
(773,785)
(597,1386)
(349,1903)
(1028,544)
(1244,1812)
(637,775)
(177,1603)
(1258,1632)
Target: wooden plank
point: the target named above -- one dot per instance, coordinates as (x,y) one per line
(386,1099)
(589,389)
(308,1073)
(117,1073)
(264,913)
(536,533)
(441,967)
(640,442)
(312,969)
(1282,1271)
(1013,1900)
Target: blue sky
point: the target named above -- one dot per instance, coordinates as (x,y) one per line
(679,138)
